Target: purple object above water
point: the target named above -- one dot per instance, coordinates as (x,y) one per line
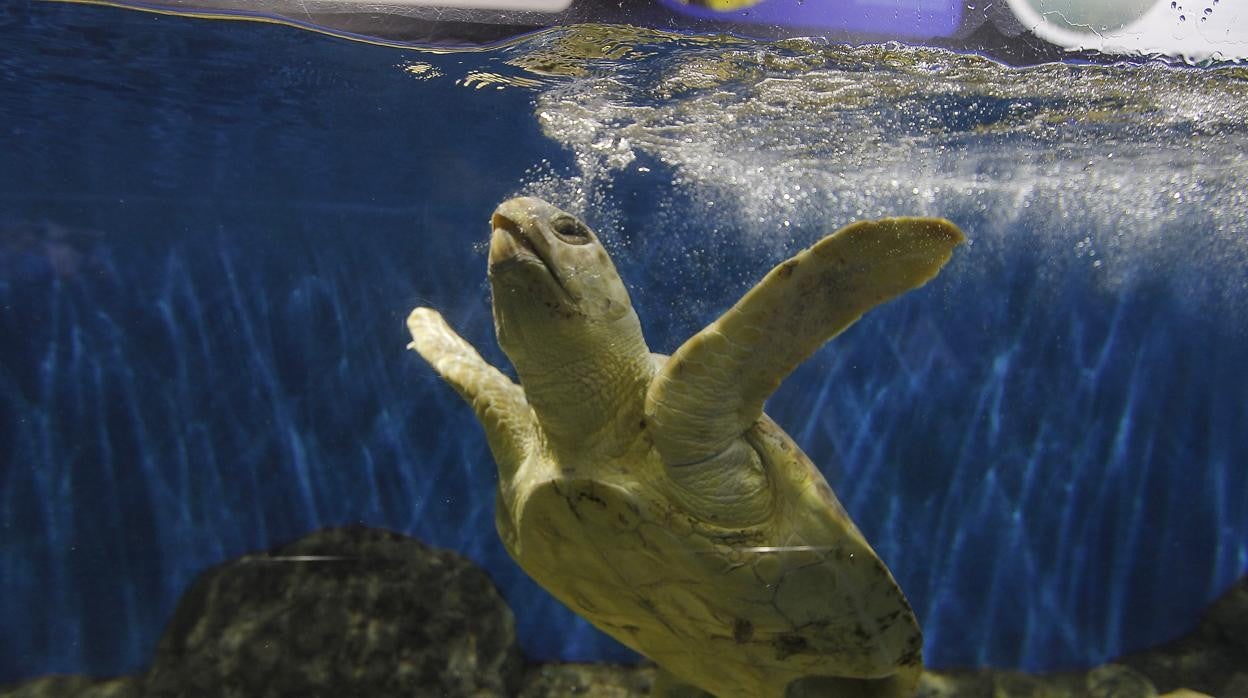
(916,19)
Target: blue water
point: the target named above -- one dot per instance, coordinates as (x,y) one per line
(211,232)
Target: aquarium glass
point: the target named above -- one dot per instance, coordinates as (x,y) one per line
(211,233)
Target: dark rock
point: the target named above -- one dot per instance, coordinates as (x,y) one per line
(1117,681)
(75,687)
(1108,681)
(591,680)
(962,684)
(340,613)
(1212,658)
(361,612)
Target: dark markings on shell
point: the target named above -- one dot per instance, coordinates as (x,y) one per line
(913,656)
(881,572)
(861,633)
(905,603)
(888,619)
(549,529)
(736,538)
(571,505)
(742,630)
(786,270)
(653,610)
(789,644)
(586,605)
(591,497)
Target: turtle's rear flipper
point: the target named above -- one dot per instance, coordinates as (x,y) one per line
(714,386)
(498,402)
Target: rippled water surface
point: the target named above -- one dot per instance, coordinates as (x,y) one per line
(211,232)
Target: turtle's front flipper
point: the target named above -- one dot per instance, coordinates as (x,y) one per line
(714,386)
(498,402)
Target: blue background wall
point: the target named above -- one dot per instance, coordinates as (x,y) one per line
(210,234)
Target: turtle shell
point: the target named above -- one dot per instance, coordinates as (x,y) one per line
(800,599)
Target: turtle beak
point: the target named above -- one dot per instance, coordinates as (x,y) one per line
(519,241)
(509,243)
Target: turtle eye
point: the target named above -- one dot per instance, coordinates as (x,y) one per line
(571,230)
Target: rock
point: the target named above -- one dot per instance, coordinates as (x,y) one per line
(1118,681)
(1109,681)
(1237,687)
(75,687)
(591,680)
(972,684)
(1212,658)
(361,612)
(342,612)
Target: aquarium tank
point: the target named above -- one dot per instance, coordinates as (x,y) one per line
(217,215)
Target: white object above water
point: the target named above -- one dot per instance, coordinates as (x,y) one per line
(1194,30)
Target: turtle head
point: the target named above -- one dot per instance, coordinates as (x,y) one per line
(548,267)
(562,313)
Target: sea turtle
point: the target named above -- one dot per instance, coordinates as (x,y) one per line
(652,495)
